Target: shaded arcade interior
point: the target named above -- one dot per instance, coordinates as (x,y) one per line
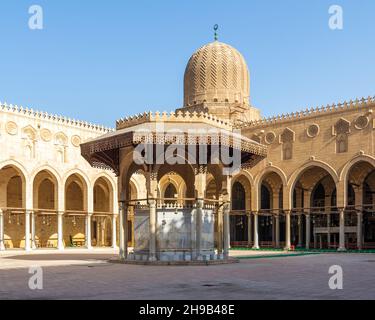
(55,212)
(314,214)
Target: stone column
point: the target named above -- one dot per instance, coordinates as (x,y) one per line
(198,226)
(249,230)
(300,235)
(123,223)
(226,229)
(315,236)
(98,231)
(152,230)
(27,231)
(307,210)
(200,190)
(60,217)
(88,231)
(308,230)
(33,244)
(220,240)
(29,210)
(327,211)
(359,207)
(329,229)
(299,201)
(60,231)
(103,232)
(276,211)
(273,229)
(287,230)
(320,242)
(277,230)
(90,211)
(114,231)
(256,236)
(359,230)
(2,244)
(342,230)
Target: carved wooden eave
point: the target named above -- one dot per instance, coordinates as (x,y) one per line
(103,152)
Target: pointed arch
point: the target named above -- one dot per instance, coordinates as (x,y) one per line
(47,168)
(17,165)
(79,172)
(359,158)
(313,163)
(296,176)
(271,169)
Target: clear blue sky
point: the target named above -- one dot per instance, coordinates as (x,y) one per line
(102,60)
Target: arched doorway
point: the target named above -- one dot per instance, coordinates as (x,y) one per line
(45,201)
(75,211)
(101,220)
(271,221)
(368,212)
(238,218)
(172,188)
(360,211)
(13,202)
(314,194)
(170,193)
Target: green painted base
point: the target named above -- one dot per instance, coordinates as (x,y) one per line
(251,249)
(277,256)
(303,250)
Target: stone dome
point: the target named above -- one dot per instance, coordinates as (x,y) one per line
(216,73)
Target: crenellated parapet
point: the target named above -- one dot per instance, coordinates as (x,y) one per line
(173,117)
(312,112)
(4,107)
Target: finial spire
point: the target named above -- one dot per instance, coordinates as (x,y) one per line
(216,27)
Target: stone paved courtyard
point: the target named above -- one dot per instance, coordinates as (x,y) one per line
(82,275)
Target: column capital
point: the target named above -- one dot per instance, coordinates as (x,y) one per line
(122,205)
(226,205)
(200,169)
(357,188)
(200,203)
(153,173)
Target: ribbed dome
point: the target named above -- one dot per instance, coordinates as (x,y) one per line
(217,72)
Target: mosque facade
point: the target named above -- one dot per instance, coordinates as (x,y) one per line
(306,180)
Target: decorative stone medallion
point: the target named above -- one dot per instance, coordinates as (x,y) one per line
(361,122)
(11,128)
(313,131)
(270,137)
(46,135)
(76,141)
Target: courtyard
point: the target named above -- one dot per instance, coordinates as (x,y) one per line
(79,274)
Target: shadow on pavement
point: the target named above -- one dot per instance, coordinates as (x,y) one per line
(47,257)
